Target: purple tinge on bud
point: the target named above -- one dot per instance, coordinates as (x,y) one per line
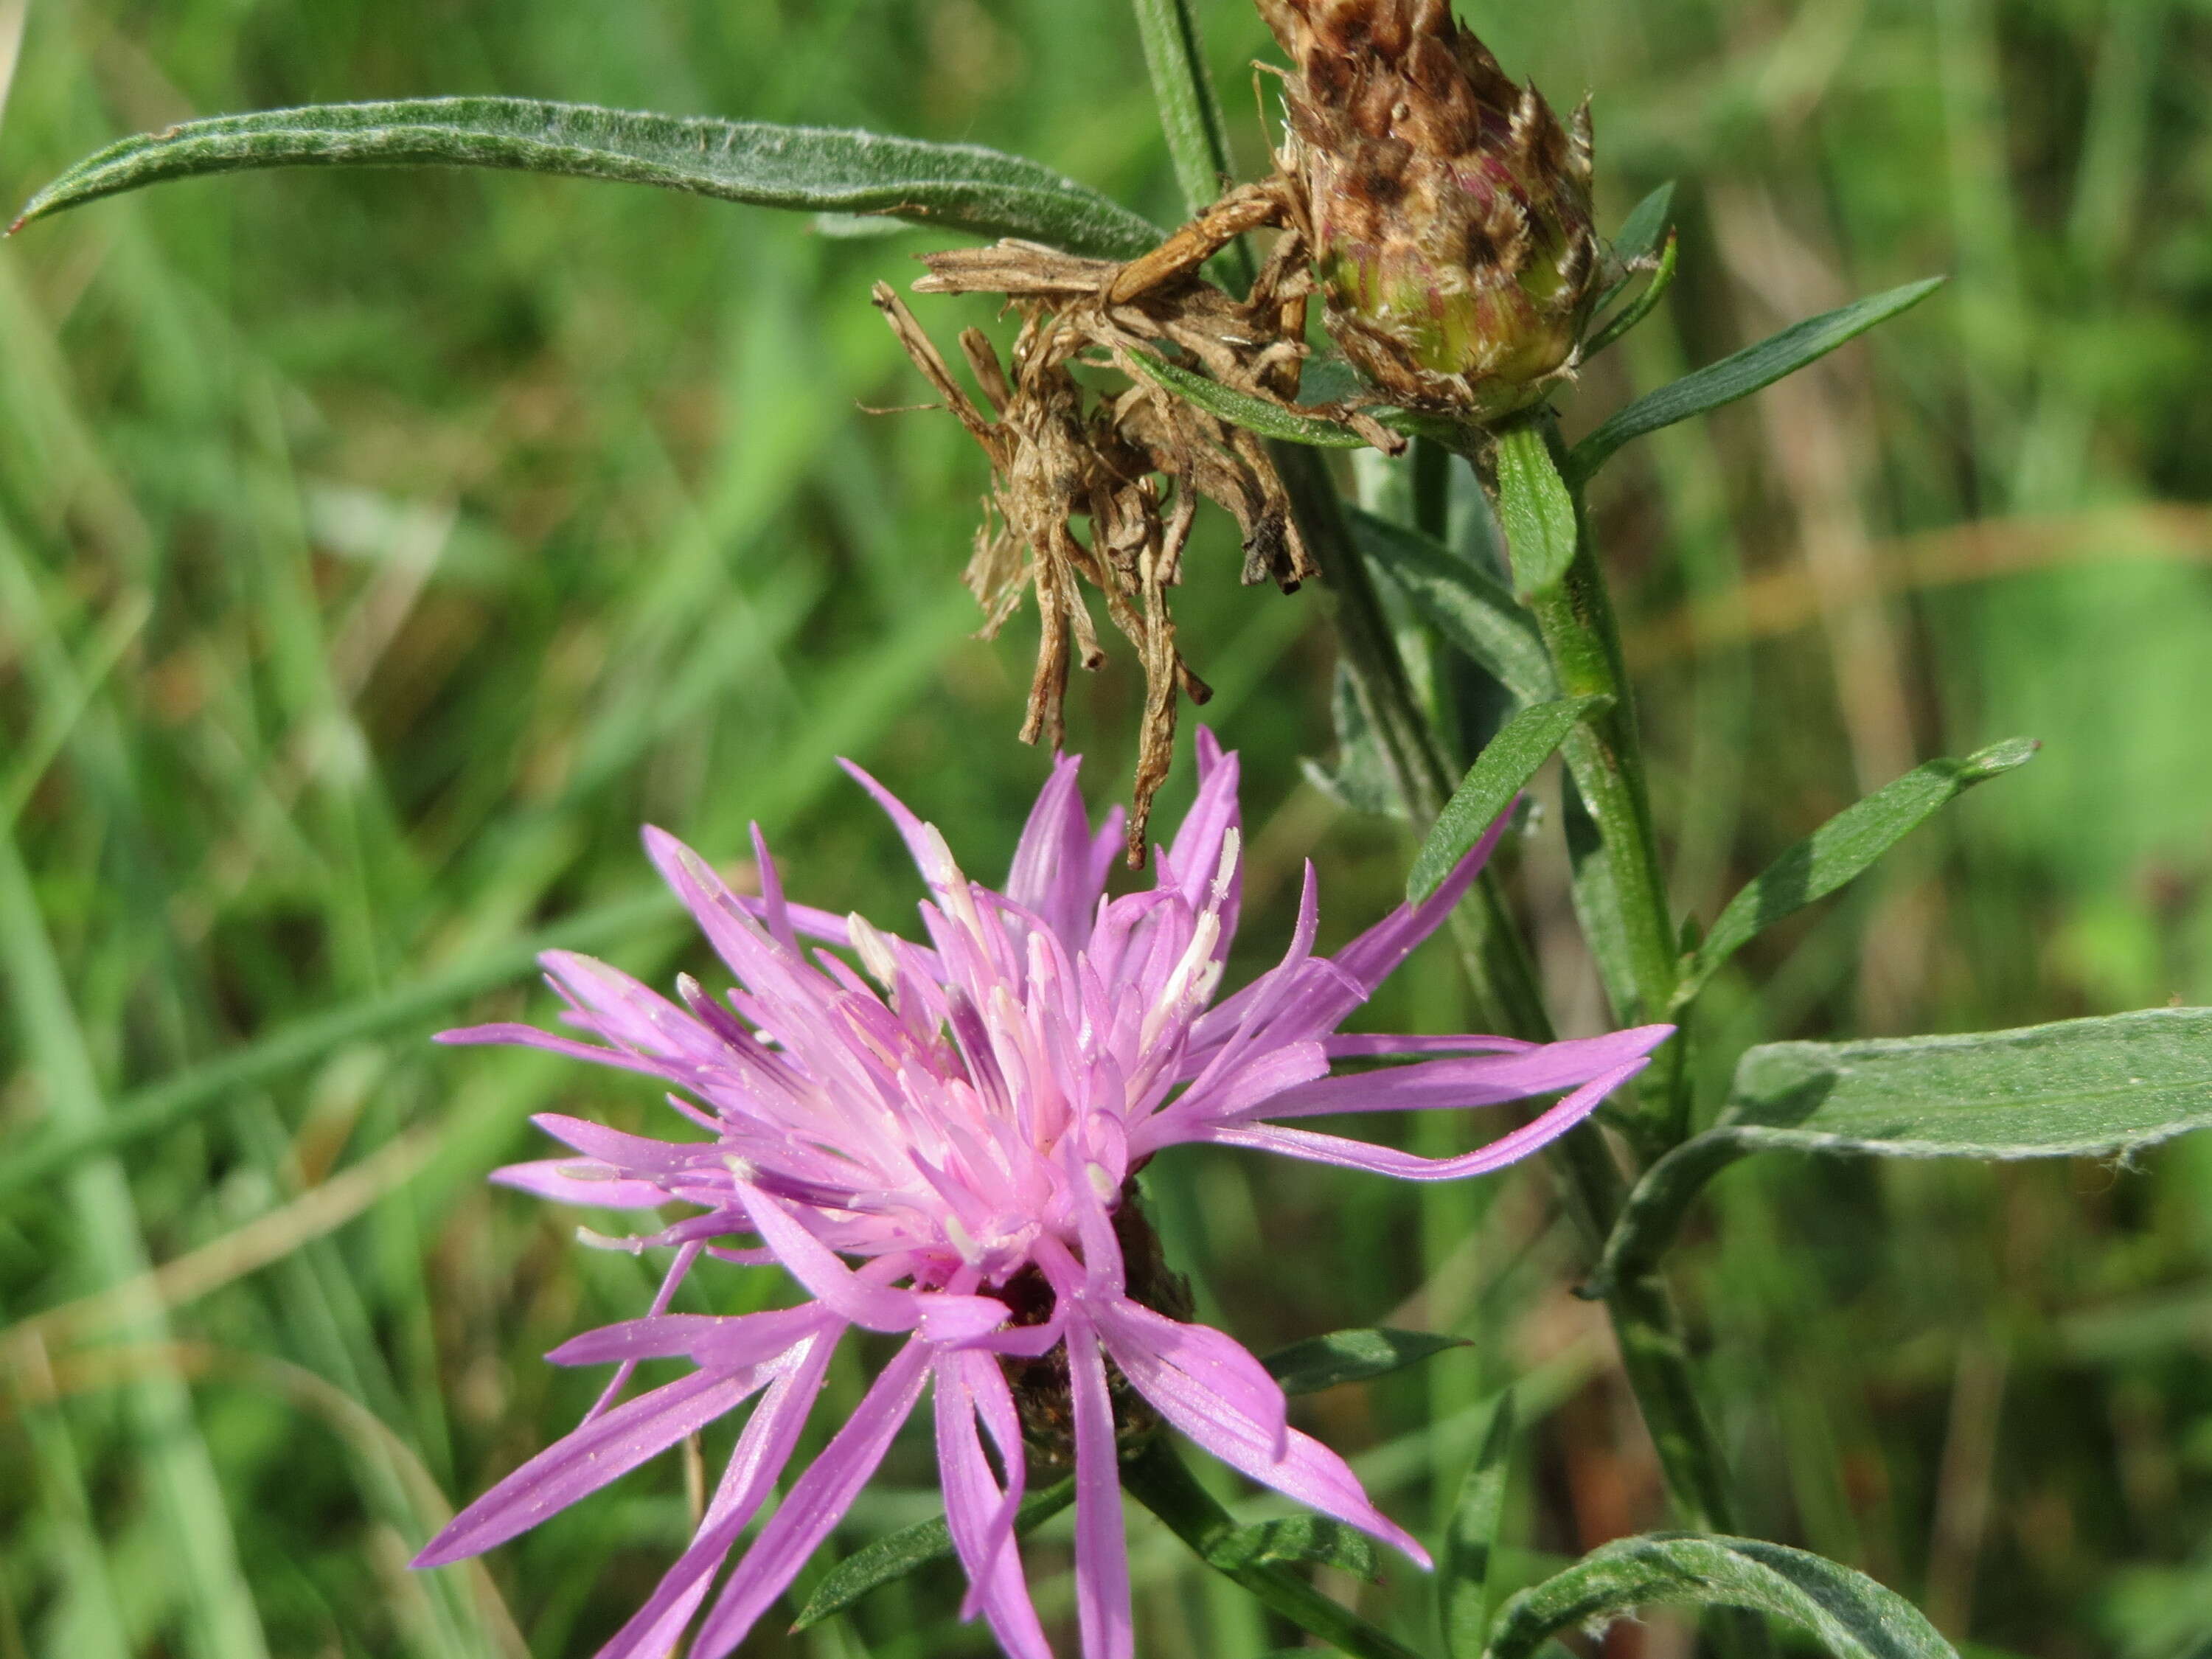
(1450,208)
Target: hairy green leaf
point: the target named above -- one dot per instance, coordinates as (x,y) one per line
(1745,372)
(2077,1087)
(1471,611)
(1843,847)
(1471,1540)
(1846,1611)
(898,1553)
(953,186)
(2071,1089)
(1296,1539)
(1355,1356)
(1534,509)
(1499,773)
(1240,409)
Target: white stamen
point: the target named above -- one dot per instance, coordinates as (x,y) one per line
(1101,1182)
(873,950)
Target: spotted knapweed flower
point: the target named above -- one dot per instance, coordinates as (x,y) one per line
(946,1153)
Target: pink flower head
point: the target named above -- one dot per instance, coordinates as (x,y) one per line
(941,1153)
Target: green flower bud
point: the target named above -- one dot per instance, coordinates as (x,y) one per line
(1449,208)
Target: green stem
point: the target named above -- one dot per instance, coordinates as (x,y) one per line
(1190,113)
(1157,1478)
(1622,897)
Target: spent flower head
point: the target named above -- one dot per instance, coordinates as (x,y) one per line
(939,1144)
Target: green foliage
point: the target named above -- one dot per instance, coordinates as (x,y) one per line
(1534,510)
(1500,773)
(1471,1537)
(1242,409)
(1848,1614)
(2077,1087)
(911,1548)
(1750,370)
(1842,848)
(960,187)
(1356,1356)
(1470,610)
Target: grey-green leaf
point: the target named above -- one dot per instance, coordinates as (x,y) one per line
(1471,1540)
(1499,773)
(1298,1539)
(1354,1355)
(953,186)
(2073,1089)
(1745,372)
(1851,1616)
(1240,409)
(899,1553)
(1473,612)
(1842,849)
(1534,509)
(2077,1087)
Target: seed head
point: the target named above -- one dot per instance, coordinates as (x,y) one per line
(1450,208)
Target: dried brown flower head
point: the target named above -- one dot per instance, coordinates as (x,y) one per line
(1132,463)
(1448,208)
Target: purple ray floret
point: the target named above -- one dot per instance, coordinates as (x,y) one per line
(912,1139)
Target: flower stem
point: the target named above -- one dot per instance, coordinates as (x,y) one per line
(1190,113)
(1157,1478)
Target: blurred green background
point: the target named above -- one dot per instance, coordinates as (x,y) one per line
(377,550)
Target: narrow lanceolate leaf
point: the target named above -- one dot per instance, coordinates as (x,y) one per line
(953,186)
(1534,509)
(2078,1088)
(1242,409)
(1357,1356)
(1842,847)
(1499,773)
(1296,1539)
(1747,372)
(1471,611)
(1471,1542)
(901,1553)
(1848,1614)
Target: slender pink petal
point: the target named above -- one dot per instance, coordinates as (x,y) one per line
(1474,1080)
(1101,1549)
(762,1452)
(1051,872)
(718,1341)
(1383,1160)
(816,1503)
(581,1181)
(587,1460)
(978,1515)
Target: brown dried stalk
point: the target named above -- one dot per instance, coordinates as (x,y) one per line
(1132,463)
